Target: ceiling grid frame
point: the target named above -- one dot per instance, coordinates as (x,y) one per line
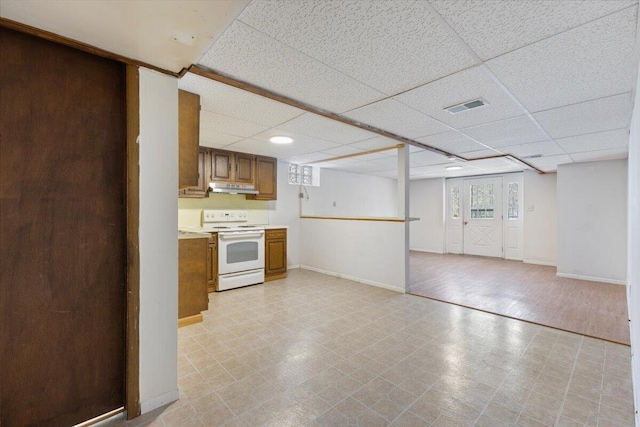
(490,73)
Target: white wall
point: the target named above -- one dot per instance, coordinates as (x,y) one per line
(158,239)
(285,211)
(592,221)
(190,209)
(365,251)
(540,227)
(427,203)
(633,245)
(354,195)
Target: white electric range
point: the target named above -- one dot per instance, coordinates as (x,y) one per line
(240,248)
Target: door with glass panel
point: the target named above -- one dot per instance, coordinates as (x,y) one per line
(482,217)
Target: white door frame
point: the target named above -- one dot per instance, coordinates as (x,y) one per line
(512,228)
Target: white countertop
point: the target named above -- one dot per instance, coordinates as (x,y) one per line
(192,235)
(273,227)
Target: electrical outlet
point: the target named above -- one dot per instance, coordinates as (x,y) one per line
(301,195)
(334,204)
(531,208)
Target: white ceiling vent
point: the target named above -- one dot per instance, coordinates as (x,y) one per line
(469,105)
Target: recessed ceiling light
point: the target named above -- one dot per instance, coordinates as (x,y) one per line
(281,140)
(453,168)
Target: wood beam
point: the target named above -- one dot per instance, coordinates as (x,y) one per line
(249,87)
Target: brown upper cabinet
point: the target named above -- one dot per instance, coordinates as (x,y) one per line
(222,165)
(199,190)
(188,138)
(266,181)
(227,166)
(239,168)
(244,167)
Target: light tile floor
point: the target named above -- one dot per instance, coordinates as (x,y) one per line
(314,350)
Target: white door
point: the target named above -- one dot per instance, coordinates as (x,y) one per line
(482,217)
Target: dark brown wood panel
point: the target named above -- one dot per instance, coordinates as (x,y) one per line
(188,138)
(523,291)
(63,233)
(133,244)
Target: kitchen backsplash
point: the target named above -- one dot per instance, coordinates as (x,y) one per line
(190,209)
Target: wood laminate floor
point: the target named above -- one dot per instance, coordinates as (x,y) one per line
(523,291)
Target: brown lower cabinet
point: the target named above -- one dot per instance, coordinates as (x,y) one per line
(212,263)
(193,298)
(275,254)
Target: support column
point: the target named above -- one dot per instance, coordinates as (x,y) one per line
(403,205)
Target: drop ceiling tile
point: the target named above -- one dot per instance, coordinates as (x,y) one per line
(609,154)
(480,153)
(550,163)
(451,142)
(375,143)
(364,167)
(330,130)
(395,117)
(467,85)
(613,112)
(491,28)
(343,150)
(250,55)
(229,125)
(514,131)
(229,101)
(303,142)
(214,139)
(587,62)
(427,158)
(306,158)
(617,138)
(498,165)
(264,148)
(361,39)
(546,148)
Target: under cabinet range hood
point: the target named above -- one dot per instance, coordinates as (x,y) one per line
(232,188)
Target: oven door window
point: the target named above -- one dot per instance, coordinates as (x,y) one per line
(238,252)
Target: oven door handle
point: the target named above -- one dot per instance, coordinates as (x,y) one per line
(240,235)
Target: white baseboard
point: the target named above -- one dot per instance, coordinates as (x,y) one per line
(426,251)
(355,279)
(156,402)
(592,279)
(291,267)
(530,261)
